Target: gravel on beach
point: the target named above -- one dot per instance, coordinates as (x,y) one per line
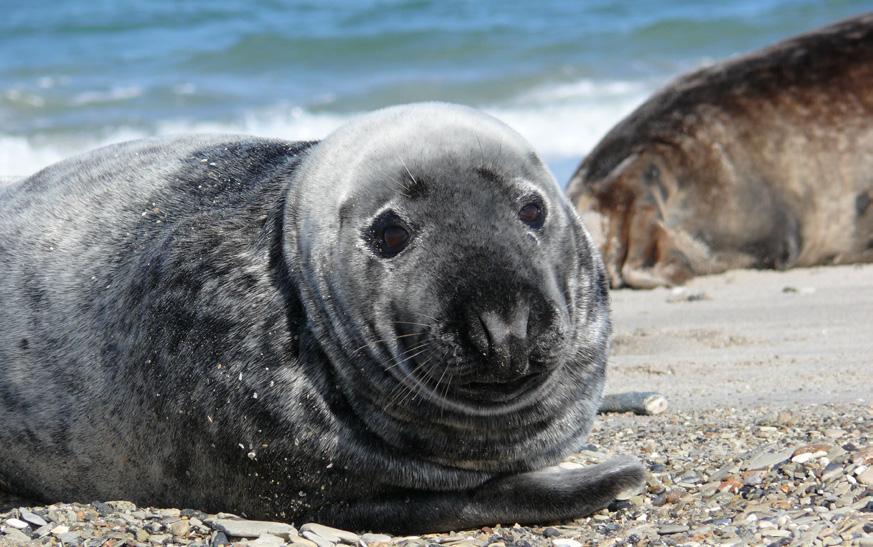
(759,476)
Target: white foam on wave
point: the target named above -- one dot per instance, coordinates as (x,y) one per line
(563,122)
(113,94)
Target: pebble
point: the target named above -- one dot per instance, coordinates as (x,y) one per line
(672,529)
(180,528)
(32,518)
(768,458)
(551,532)
(121,505)
(15,523)
(375,538)
(15,536)
(318,540)
(565,542)
(252,528)
(331,534)
(266,540)
(70,538)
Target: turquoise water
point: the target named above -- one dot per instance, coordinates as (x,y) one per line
(81,73)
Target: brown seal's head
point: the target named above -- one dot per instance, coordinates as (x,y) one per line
(636,200)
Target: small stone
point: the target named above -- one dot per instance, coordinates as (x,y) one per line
(785,418)
(331,534)
(121,505)
(815,448)
(318,540)
(15,537)
(62,529)
(297,541)
(375,538)
(219,538)
(15,523)
(70,538)
(102,508)
(753,478)
(618,505)
(773,532)
(141,535)
(160,539)
(730,484)
(180,528)
(804,458)
(866,477)
(832,471)
(32,518)
(767,458)
(565,542)
(551,532)
(864,454)
(266,540)
(669,529)
(43,531)
(170,513)
(252,528)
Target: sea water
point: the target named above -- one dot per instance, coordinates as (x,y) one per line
(78,74)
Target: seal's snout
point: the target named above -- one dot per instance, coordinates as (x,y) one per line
(502,339)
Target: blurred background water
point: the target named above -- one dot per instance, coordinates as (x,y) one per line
(81,73)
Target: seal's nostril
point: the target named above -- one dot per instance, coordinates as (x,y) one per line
(477,333)
(507,340)
(496,328)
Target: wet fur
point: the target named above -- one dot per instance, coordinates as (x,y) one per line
(763,161)
(199,322)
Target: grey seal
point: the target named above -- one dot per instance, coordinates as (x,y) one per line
(402,327)
(763,161)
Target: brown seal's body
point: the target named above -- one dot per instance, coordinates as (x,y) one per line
(765,161)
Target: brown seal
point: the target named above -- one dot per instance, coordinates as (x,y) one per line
(764,161)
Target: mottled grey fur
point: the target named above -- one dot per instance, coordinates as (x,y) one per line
(201,322)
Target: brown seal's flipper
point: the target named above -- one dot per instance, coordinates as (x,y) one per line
(549,495)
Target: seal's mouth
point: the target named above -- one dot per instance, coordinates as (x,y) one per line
(497,390)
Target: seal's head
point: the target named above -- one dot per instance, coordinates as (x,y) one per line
(636,197)
(452,287)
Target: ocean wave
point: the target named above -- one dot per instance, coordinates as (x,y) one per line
(114,94)
(562,121)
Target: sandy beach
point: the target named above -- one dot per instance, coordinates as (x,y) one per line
(749,338)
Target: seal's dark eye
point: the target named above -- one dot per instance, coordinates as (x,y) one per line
(532,215)
(389,235)
(394,238)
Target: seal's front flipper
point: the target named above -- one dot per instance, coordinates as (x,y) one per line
(553,494)
(537,497)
